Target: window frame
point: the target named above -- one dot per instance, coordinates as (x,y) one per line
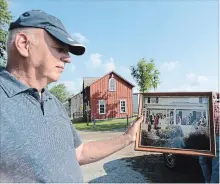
(114,84)
(101,103)
(125,106)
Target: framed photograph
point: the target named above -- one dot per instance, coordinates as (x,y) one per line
(178,123)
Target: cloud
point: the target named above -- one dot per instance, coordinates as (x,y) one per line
(73,86)
(168,66)
(80,38)
(183,88)
(194,80)
(110,65)
(94,60)
(188,88)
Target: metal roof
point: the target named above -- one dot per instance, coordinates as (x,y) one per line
(87,81)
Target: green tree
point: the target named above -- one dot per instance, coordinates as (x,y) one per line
(5,18)
(146,75)
(60,91)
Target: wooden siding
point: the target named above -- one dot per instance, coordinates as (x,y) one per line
(100,91)
(76,103)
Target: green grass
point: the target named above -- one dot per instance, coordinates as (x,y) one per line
(107,125)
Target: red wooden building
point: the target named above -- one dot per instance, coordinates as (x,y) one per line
(108,97)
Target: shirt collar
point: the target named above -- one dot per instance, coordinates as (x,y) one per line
(12,86)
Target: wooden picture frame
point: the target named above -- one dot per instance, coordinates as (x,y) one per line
(177,123)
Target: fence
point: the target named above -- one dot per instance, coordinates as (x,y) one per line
(77,114)
(78,117)
(125,117)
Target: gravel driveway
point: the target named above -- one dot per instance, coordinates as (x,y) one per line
(129,166)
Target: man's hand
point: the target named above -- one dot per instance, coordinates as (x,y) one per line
(96,150)
(132,129)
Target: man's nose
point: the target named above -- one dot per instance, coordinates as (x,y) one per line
(66,58)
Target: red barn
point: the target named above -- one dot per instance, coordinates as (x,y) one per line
(107,97)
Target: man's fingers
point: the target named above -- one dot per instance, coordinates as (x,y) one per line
(138,121)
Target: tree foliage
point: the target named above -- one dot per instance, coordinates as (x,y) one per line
(5,18)
(60,91)
(146,75)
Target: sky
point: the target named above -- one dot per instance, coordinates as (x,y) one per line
(182,37)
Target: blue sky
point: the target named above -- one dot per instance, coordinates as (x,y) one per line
(181,36)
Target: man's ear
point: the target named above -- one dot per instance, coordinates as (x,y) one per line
(22,44)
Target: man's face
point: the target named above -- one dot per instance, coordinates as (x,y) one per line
(49,56)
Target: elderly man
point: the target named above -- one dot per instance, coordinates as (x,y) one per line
(38,141)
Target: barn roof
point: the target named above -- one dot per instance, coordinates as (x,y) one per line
(88,81)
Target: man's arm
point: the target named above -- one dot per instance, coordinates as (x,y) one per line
(97,150)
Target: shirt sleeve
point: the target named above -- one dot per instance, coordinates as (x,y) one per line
(76,136)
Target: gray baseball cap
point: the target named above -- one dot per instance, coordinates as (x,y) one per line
(40,19)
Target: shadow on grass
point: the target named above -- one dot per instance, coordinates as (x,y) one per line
(150,168)
(103,127)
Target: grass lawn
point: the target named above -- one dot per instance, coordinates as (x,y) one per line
(107,125)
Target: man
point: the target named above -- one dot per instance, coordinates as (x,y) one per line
(212,176)
(38,141)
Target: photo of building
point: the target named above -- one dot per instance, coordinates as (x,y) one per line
(169,121)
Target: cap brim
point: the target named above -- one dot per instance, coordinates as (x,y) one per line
(74,47)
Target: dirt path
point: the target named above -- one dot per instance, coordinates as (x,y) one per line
(129,166)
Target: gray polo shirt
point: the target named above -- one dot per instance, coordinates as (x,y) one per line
(37,139)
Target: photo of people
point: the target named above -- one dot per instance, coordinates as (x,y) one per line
(173,122)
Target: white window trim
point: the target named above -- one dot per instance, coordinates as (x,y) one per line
(109,84)
(125,106)
(104,106)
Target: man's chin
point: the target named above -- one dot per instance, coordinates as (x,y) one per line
(54,79)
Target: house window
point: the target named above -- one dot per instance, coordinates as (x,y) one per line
(122,106)
(112,84)
(102,107)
